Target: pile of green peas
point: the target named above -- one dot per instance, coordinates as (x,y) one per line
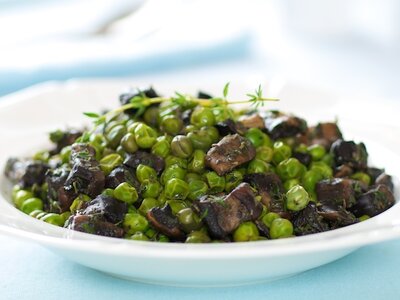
(185,178)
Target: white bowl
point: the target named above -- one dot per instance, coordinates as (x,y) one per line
(27,117)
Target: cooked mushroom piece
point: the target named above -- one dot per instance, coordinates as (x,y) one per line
(125,98)
(337,216)
(94,225)
(230,127)
(304,158)
(109,208)
(119,175)
(86,178)
(164,221)
(374,173)
(144,158)
(349,153)
(373,202)
(64,138)
(26,172)
(271,189)
(339,191)
(343,171)
(55,180)
(252,121)
(282,126)
(223,215)
(385,179)
(82,152)
(308,221)
(229,153)
(325,134)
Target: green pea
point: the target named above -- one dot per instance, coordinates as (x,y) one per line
(302,148)
(297,198)
(232,180)
(258,166)
(171,124)
(212,132)
(132,126)
(150,115)
(222,113)
(197,188)
(144,172)
(200,139)
(145,136)
(139,236)
(147,204)
(65,215)
(316,151)
(190,128)
(65,153)
(267,142)
(246,231)
(328,159)
(54,219)
(281,228)
(41,215)
(150,188)
(31,204)
(173,171)
(288,184)
(110,162)
(128,143)
(181,146)
(321,167)
(281,152)
(176,205)
(363,218)
(108,192)
(363,177)
(126,193)
(176,189)
(290,168)
(188,220)
(120,151)
(192,176)
(162,147)
(151,233)
(268,218)
(215,182)
(256,136)
(21,196)
(264,153)
(162,238)
(197,163)
(174,160)
(134,222)
(162,199)
(42,156)
(198,237)
(35,213)
(78,203)
(310,179)
(202,116)
(115,135)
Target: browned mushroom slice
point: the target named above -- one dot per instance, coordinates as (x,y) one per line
(223,215)
(109,208)
(343,171)
(64,138)
(86,177)
(25,172)
(350,153)
(271,190)
(373,202)
(253,121)
(119,175)
(385,179)
(326,134)
(337,216)
(82,152)
(144,158)
(164,221)
(230,127)
(94,225)
(308,221)
(339,191)
(283,126)
(55,180)
(230,152)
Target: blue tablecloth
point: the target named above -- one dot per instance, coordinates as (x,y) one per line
(28,271)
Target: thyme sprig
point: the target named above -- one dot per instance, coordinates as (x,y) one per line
(141,102)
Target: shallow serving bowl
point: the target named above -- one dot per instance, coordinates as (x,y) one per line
(27,117)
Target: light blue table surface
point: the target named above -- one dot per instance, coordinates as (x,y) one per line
(28,271)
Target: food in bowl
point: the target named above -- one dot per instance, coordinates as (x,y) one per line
(193,169)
